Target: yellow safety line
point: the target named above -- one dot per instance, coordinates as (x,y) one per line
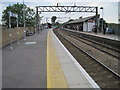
(48,71)
(55,75)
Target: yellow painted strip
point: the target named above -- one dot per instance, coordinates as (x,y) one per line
(48,69)
(55,75)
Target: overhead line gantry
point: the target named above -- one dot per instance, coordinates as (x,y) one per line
(67,9)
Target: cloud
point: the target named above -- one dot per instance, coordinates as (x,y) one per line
(1,9)
(60,1)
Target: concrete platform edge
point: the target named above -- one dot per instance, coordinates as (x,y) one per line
(91,81)
(55,76)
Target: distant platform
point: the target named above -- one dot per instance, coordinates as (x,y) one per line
(100,34)
(108,36)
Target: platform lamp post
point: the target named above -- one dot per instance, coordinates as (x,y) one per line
(102,17)
(96,20)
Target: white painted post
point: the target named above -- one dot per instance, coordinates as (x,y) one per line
(17,31)
(11,47)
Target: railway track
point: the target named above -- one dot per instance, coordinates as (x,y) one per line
(104,48)
(114,55)
(104,77)
(114,47)
(107,61)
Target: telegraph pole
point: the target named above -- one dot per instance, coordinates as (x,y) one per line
(36,18)
(24,20)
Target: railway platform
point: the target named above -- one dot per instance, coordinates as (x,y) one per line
(25,65)
(108,36)
(63,71)
(42,61)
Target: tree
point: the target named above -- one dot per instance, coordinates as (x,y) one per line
(70,20)
(80,17)
(53,19)
(18,9)
(57,23)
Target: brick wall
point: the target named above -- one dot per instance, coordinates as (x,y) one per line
(5,33)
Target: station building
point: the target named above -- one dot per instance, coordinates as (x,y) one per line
(82,24)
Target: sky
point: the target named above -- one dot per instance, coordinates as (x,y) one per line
(110,11)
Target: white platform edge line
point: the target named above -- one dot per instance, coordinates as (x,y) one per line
(91,81)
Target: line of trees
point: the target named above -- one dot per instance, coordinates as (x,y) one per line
(18,9)
(53,20)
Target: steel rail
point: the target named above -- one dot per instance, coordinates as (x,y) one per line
(116,74)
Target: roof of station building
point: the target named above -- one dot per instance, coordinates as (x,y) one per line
(81,20)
